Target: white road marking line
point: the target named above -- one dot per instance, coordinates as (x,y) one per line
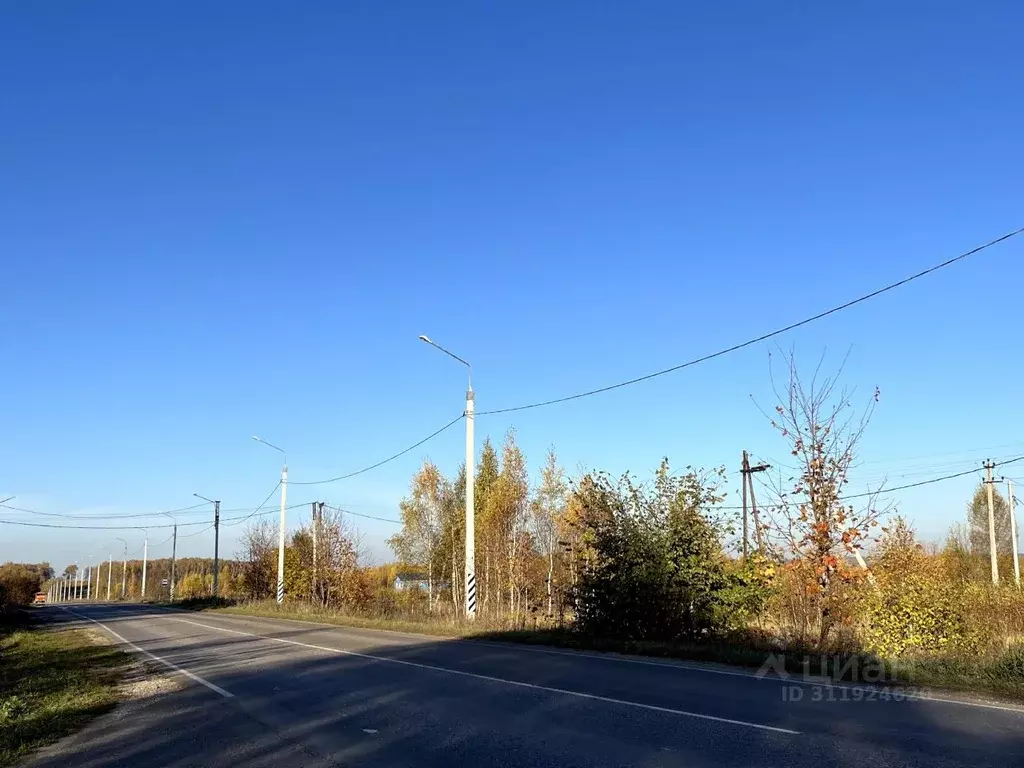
(175,667)
(514,647)
(491,679)
(369,730)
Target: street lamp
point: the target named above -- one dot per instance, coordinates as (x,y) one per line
(216,537)
(284,496)
(470,480)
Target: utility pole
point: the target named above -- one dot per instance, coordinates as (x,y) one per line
(745,469)
(989,466)
(145,559)
(748,482)
(316,527)
(281,532)
(174,553)
(110,568)
(470,511)
(1013,531)
(216,547)
(216,540)
(88,584)
(280,535)
(124,569)
(78,582)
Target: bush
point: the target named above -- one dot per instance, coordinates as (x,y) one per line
(18,585)
(655,569)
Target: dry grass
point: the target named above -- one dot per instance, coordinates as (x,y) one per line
(52,682)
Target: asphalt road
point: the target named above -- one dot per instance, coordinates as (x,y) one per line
(268,692)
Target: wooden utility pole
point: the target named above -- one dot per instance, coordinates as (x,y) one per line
(989,466)
(748,482)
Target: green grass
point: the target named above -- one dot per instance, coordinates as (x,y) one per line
(1002,675)
(51,684)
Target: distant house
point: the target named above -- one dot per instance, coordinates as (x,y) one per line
(411,580)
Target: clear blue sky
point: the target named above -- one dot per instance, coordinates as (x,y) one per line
(235,218)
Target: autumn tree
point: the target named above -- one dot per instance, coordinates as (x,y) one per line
(811,523)
(451,549)
(977,520)
(421,514)
(487,534)
(507,515)
(336,580)
(257,557)
(548,509)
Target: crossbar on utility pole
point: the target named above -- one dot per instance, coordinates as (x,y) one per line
(989,466)
(748,482)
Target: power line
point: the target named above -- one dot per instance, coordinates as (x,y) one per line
(431,436)
(262,503)
(899,487)
(99,517)
(762,337)
(157,546)
(371,517)
(95,527)
(197,533)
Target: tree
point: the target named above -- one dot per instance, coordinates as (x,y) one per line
(811,522)
(548,508)
(192,584)
(487,536)
(259,570)
(421,514)
(507,507)
(977,520)
(19,583)
(653,567)
(451,551)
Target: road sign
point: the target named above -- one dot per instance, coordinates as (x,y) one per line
(164,582)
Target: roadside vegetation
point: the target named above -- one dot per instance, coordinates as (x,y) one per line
(51,684)
(657,566)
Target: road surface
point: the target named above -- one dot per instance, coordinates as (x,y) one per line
(281,694)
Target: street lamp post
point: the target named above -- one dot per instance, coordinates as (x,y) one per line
(216,538)
(284,496)
(470,481)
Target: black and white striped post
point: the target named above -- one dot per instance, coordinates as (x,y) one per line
(470,512)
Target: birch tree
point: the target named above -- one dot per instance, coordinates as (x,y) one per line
(418,540)
(548,509)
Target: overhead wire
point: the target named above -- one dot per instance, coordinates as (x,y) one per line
(401,453)
(882,491)
(100,517)
(762,337)
(262,504)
